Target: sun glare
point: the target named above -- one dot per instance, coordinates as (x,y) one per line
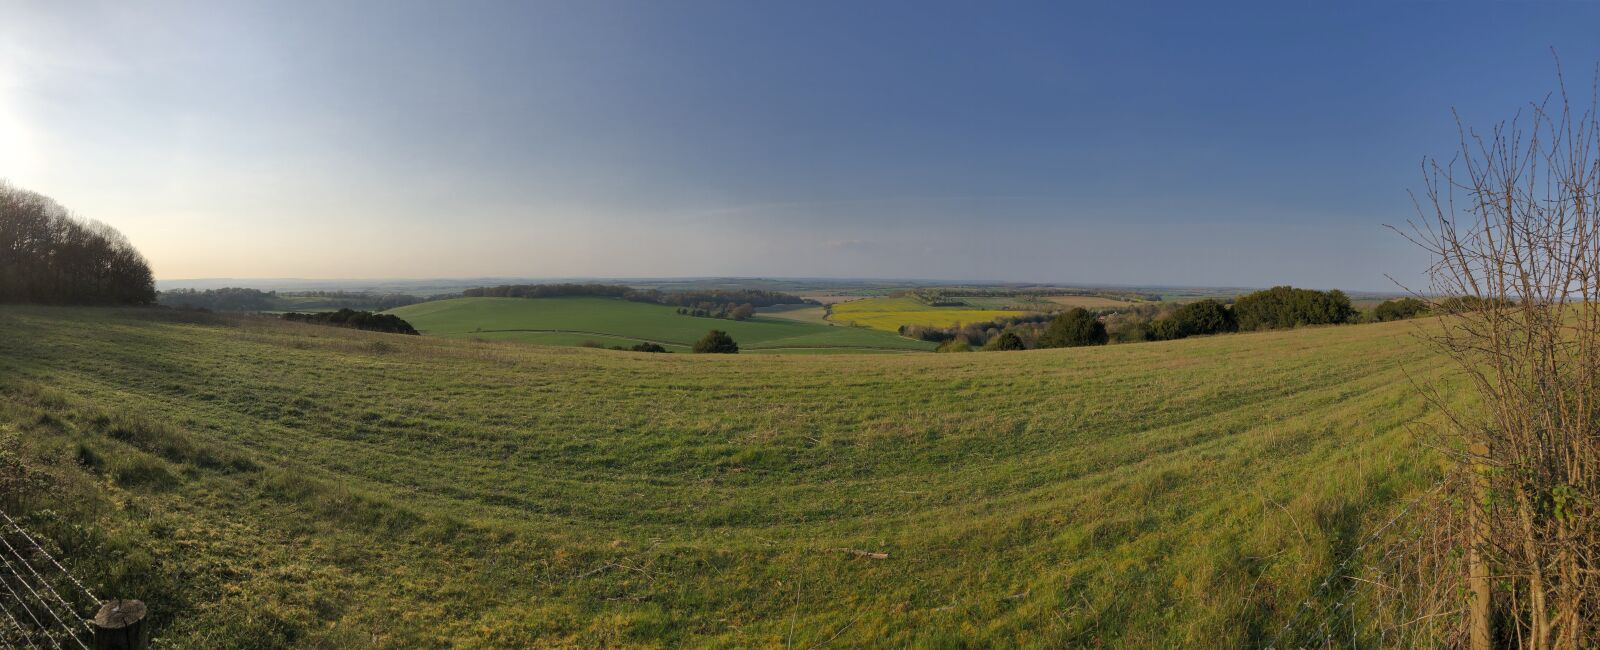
(17,158)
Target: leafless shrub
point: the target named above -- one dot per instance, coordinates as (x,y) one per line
(1513,229)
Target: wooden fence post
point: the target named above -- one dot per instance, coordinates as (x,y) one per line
(120,626)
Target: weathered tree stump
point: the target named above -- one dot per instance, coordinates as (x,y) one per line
(120,626)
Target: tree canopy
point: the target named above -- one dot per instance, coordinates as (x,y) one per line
(49,256)
(1073,328)
(716,342)
(1197,318)
(1285,306)
(1399,309)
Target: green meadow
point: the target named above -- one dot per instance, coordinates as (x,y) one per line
(611,321)
(267,484)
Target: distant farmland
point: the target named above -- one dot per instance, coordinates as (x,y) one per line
(830,299)
(1088,302)
(805,313)
(610,321)
(888,314)
(1043,303)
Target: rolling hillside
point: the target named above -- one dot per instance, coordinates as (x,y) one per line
(609,321)
(270,484)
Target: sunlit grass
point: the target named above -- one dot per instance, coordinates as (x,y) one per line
(264,483)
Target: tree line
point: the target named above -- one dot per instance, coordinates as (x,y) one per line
(1028,326)
(713,310)
(50,256)
(359,299)
(714,299)
(242,299)
(224,299)
(1275,308)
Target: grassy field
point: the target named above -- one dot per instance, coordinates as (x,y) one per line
(572,321)
(268,484)
(888,314)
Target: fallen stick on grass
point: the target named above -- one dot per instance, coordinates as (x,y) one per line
(866,554)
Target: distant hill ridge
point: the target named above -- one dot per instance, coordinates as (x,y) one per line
(687,298)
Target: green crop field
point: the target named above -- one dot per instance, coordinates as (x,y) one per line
(888,314)
(267,484)
(572,321)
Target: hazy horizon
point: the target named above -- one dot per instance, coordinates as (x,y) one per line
(1129,144)
(313,284)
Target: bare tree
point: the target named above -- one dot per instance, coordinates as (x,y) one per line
(1513,229)
(47,255)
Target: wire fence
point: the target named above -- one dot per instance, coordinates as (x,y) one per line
(41,602)
(1332,599)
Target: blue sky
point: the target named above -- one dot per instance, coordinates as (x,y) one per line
(1131,143)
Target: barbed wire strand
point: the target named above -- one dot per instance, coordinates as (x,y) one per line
(37,624)
(42,626)
(1305,606)
(39,551)
(46,583)
(25,636)
(52,559)
(1323,629)
(1333,578)
(43,604)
